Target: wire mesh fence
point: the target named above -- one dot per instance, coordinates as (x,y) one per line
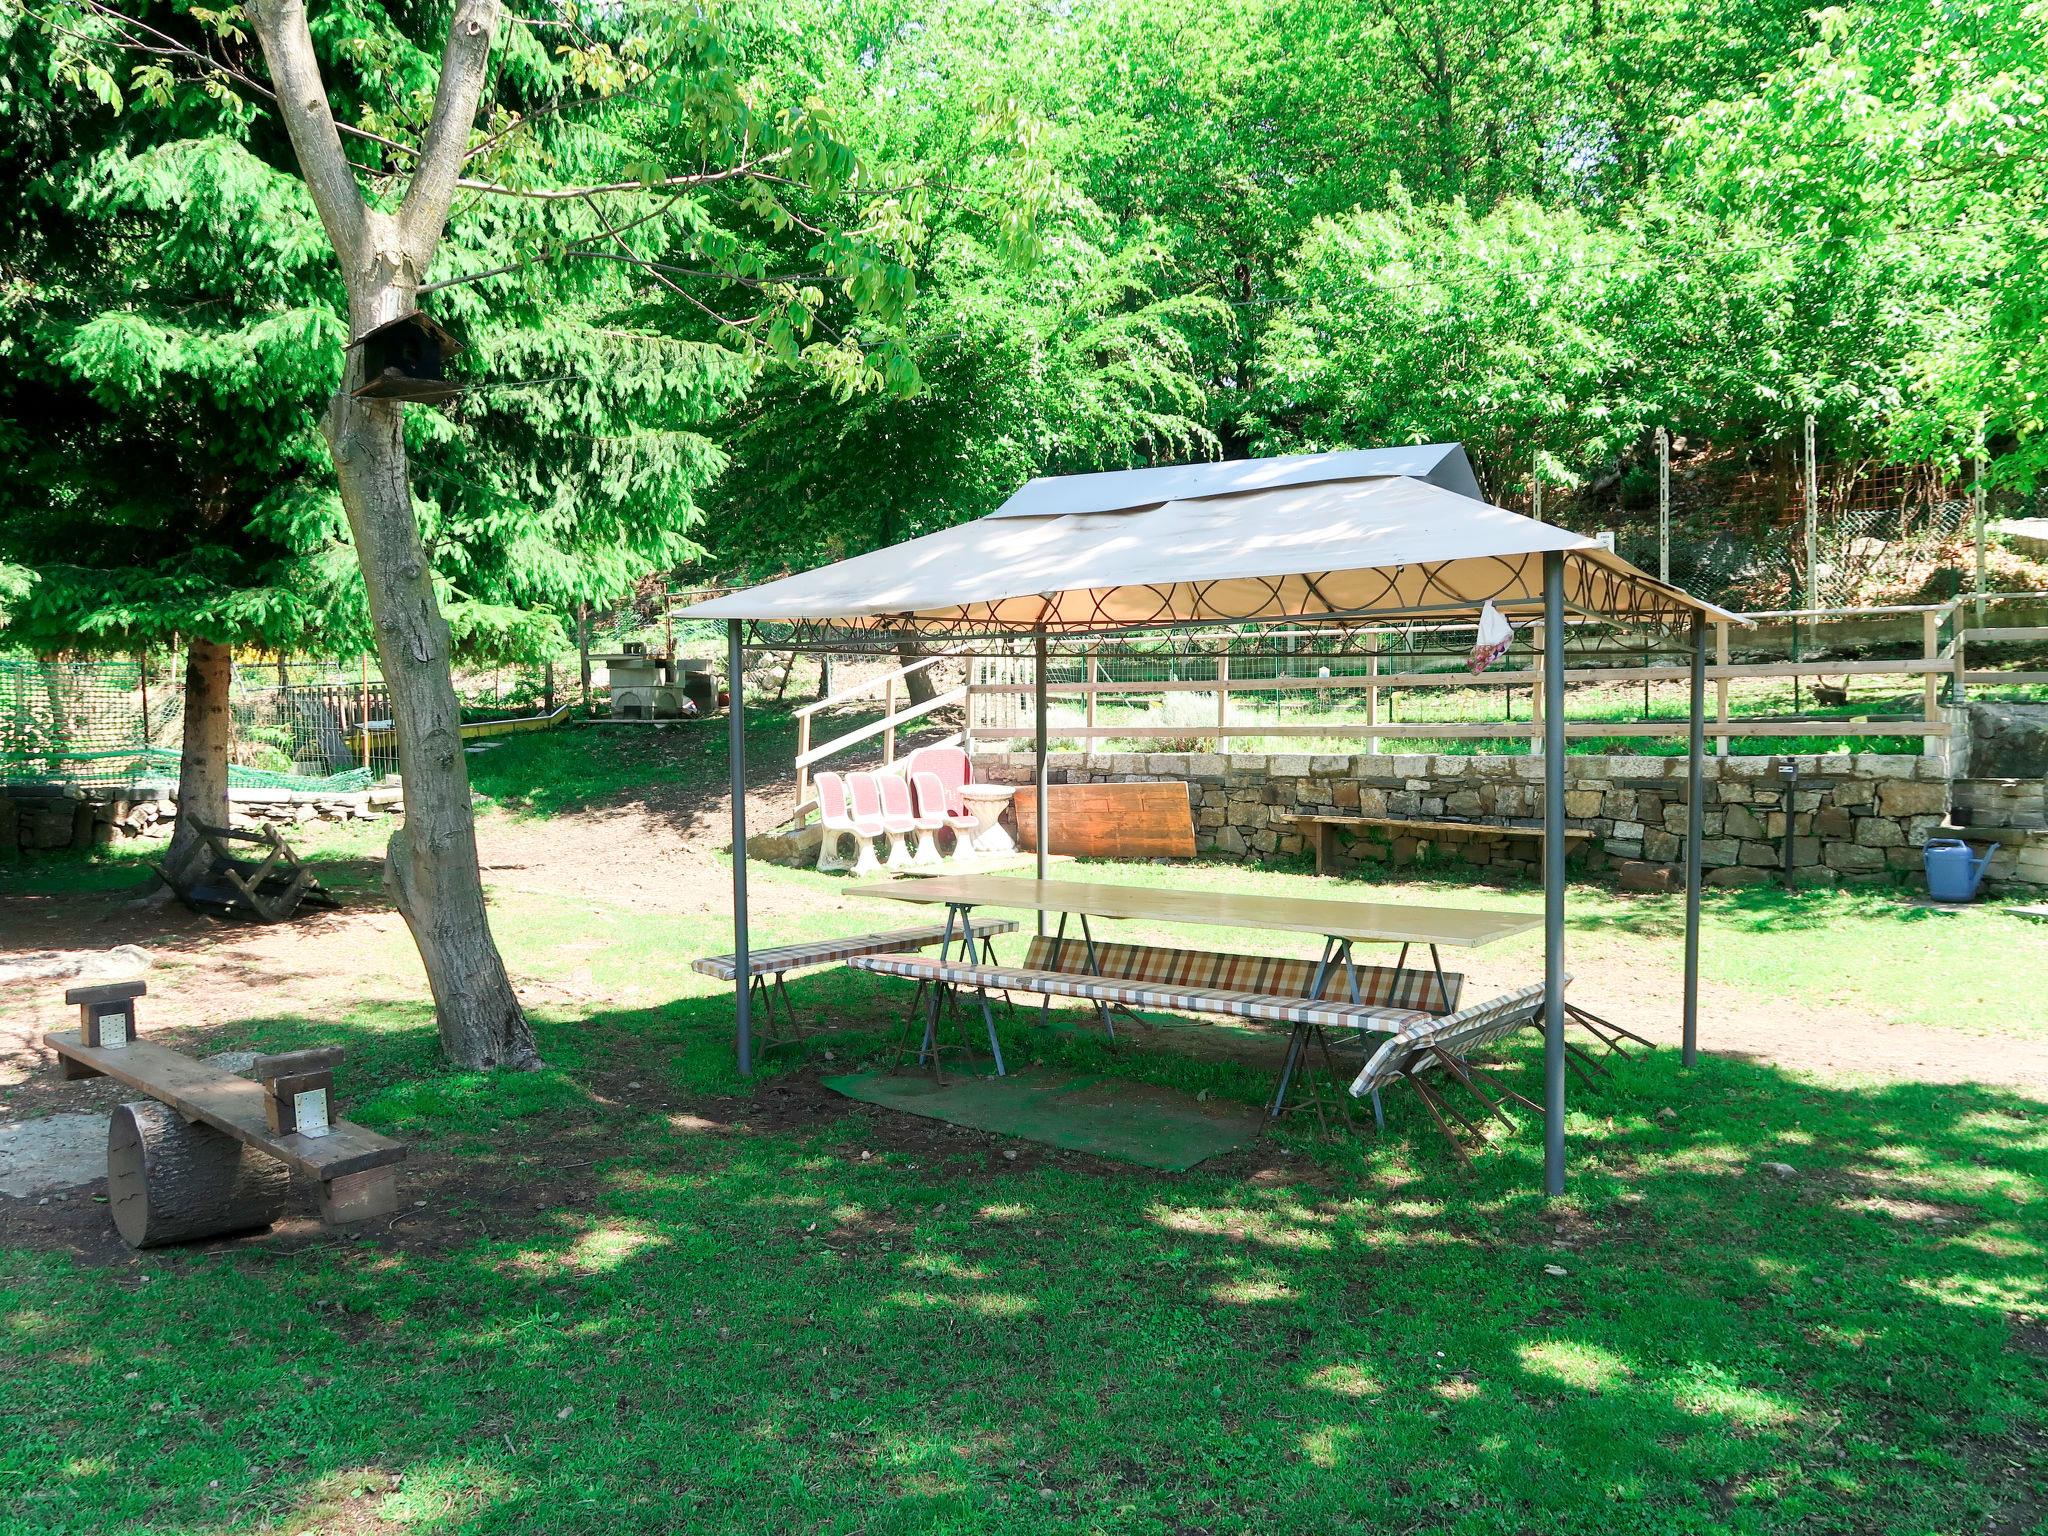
(311,725)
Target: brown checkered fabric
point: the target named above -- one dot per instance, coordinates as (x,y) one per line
(1381,986)
(796,957)
(1254,1007)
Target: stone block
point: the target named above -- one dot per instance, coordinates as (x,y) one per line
(1739,822)
(1289,765)
(1637,875)
(1629,829)
(1853,857)
(1908,797)
(1760,855)
(1464,802)
(1879,832)
(1230,840)
(1581,803)
(1327,766)
(1666,846)
(1831,821)
(1735,875)
(1920,828)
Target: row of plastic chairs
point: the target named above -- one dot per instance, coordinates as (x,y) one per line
(922,802)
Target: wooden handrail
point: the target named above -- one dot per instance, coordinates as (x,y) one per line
(877,727)
(879,680)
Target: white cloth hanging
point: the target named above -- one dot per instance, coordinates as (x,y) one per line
(1495,635)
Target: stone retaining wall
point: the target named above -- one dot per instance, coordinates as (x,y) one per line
(34,819)
(1857,819)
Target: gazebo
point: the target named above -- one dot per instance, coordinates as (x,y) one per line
(1346,540)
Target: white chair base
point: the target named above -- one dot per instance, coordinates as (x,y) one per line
(899,851)
(831,858)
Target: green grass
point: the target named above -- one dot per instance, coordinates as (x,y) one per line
(714,1318)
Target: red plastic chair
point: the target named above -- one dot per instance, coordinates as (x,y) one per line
(840,809)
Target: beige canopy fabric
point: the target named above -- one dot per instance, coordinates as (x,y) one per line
(1346,549)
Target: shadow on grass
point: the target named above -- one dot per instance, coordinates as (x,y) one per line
(755,1320)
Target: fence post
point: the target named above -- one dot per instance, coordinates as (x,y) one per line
(1222,701)
(889,714)
(1372,692)
(1812,530)
(363,684)
(1539,660)
(973,670)
(1721,686)
(583,651)
(1094,677)
(142,668)
(1930,703)
(1664,504)
(803,769)
(1977,526)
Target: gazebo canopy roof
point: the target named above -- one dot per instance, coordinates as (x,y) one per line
(1340,538)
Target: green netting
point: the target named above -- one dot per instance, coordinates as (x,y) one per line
(103,724)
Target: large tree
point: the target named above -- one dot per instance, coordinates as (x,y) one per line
(571,471)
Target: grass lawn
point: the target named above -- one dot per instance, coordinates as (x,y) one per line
(643,1295)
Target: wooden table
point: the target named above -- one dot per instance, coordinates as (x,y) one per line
(1373,921)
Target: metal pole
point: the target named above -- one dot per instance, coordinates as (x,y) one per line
(1553,873)
(736,771)
(1812,523)
(1695,828)
(1663,504)
(1038,762)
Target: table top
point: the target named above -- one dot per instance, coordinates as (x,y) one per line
(1395,922)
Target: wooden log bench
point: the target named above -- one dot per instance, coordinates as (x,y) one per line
(1323,831)
(212,1152)
(767,966)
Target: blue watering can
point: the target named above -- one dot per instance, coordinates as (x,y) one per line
(1953,872)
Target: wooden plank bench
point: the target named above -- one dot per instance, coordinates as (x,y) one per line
(1324,829)
(174,1177)
(776,961)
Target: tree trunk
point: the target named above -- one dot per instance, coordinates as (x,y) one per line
(203,760)
(430,867)
(169,1181)
(918,684)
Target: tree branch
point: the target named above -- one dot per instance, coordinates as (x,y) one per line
(280,27)
(464,65)
(555,194)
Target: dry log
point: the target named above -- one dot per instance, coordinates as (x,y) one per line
(170,1180)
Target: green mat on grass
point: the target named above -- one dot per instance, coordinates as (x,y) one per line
(1133,1122)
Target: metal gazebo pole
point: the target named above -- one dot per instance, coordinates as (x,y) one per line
(1038,775)
(1695,824)
(1553,873)
(736,767)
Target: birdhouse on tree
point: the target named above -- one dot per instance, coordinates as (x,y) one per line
(407,359)
(106,1012)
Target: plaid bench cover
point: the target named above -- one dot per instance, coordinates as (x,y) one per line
(796,957)
(1256,1007)
(1381,986)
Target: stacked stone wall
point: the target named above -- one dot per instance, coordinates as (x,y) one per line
(1856,818)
